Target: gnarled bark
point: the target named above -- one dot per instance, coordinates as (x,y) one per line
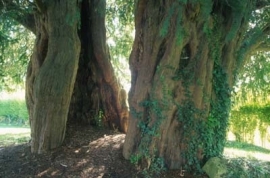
(182,66)
(60,49)
(51,73)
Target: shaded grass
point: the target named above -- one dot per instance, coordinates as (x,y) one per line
(247,168)
(246,147)
(14,139)
(246,160)
(13,134)
(5,125)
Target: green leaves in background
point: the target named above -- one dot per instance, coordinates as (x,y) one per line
(16,47)
(120,35)
(13,112)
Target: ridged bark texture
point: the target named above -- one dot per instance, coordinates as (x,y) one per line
(60,51)
(52,72)
(182,66)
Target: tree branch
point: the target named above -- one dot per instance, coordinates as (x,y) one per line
(264,47)
(262,4)
(263,38)
(28,21)
(255,37)
(18,13)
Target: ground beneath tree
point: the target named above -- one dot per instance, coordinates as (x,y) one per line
(86,153)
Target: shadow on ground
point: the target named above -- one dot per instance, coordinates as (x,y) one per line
(87,153)
(246,147)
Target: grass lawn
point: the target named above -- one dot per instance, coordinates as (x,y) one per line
(13,135)
(247,160)
(235,149)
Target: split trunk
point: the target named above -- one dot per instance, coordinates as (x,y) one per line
(70,50)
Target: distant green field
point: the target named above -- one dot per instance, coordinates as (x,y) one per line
(13,112)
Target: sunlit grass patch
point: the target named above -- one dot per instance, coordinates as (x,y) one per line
(234,153)
(235,149)
(15,95)
(13,130)
(14,139)
(246,160)
(13,135)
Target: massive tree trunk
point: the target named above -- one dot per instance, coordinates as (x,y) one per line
(98,97)
(70,37)
(183,65)
(52,73)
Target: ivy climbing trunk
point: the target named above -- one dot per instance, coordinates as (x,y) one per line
(51,73)
(98,97)
(183,63)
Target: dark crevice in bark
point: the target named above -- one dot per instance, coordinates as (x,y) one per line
(98,98)
(81,100)
(184,58)
(183,95)
(160,56)
(43,50)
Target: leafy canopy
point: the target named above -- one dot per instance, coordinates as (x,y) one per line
(16,43)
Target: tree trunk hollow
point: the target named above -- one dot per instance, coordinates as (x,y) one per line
(98,97)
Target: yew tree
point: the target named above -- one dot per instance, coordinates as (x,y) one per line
(184,61)
(69,76)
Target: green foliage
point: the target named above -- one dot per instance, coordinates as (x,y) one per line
(157,166)
(206,8)
(120,35)
(154,110)
(191,131)
(150,131)
(240,9)
(15,53)
(183,1)
(217,122)
(180,31)
(202,9)
(241,167)
(211,133)
(167,21)
(134,159)
(15,43)
(98,119)
(13,112)
(246,119)
(253,82)
(256,36)
(251,99)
